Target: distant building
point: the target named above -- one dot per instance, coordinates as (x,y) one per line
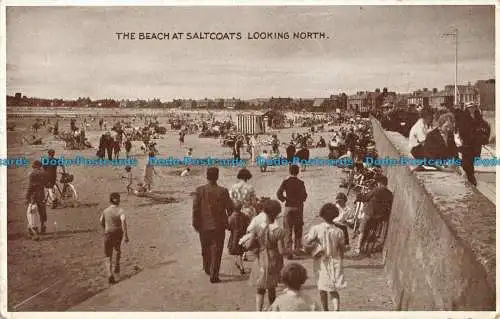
(187,104)
(420,97)
(258,102)
(230,103)
(388,99)
(486,90)
(203,104)
(401,100)
(318,103)
(441,100)
(359,102)
(466,93)
(18,96)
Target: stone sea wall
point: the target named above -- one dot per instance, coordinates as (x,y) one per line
(440,249)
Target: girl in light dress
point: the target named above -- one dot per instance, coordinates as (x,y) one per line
(268,263)
(328,264)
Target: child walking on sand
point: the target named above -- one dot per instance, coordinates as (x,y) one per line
(328,263)
(293,277)
(149,172)
(238,223)
(129,178)
(113,222)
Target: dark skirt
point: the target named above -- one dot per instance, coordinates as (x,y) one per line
(233,247)
(303,154)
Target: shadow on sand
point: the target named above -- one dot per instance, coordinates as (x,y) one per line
(50,235)
(157,200)
(234,278)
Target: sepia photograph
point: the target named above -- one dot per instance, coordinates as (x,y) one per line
(249,158)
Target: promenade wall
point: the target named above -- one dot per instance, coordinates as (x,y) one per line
(440,249)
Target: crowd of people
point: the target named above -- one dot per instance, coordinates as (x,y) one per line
(444,136)
(270,230)
(260,226)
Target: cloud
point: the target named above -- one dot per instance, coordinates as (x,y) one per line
(63,51)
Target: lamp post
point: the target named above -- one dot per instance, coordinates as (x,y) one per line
(455,35)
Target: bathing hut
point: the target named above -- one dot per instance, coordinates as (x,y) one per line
(251,124)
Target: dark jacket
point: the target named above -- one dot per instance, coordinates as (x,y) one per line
(474,132)
(350,140)
(106,141)
(36,186)
(435,147)
(303,154)
(51,172)
(380,200)
(295,191)
(211,208)
(290,152)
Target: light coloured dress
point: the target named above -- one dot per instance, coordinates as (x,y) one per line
(292,300)
(242,193)
(328,268)
(148,174)
(267,266)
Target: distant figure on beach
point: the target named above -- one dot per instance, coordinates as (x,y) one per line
(149,173)
(290,152)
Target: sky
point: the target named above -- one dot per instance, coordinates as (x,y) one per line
(71,52)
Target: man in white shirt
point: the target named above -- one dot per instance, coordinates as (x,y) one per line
(419,131)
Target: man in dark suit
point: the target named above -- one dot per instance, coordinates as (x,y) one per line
(303,154)
(290,152)
(211,208)
(474,132)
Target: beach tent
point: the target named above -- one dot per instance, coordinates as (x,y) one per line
(250,124)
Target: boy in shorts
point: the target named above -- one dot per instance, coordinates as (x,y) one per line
(115,229)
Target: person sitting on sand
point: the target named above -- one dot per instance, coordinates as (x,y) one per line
(264,157)
(185,171)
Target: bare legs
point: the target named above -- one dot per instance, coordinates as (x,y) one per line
(238,262)
(324,300)
(259,297)
(109,266)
